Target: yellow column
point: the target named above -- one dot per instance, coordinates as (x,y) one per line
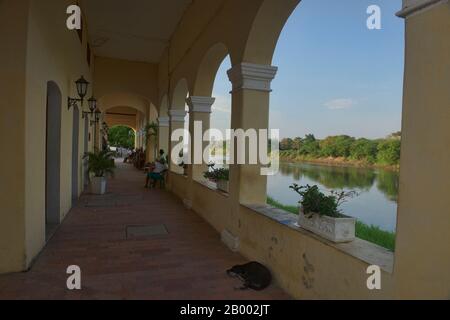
(151,148)
(250,110)
(176,122)
(422,254)
(163,134)
(199,123)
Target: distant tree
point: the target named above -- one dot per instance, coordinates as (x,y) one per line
(395,135)
(336,146)
(310,146)
(309,138)
(121,136)
(389,152)
(364,149)
(286,144)
(381,151)
(297,143)
(328,147)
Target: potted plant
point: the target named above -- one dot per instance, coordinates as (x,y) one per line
(220,176)
(320,213)
(100,163)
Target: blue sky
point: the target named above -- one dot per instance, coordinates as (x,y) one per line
(335,76)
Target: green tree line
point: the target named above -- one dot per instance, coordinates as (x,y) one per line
(121,136)
(379,151)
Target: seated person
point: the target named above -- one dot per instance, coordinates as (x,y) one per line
(162,156)
(155,172)
(149,166)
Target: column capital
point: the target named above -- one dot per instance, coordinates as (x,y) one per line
(252,76)
(163,121)
(177,115)
(413,7)
(200,104)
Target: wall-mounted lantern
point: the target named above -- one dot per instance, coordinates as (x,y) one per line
(82,87)
(92,103)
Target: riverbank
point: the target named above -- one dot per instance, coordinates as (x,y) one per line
(363,231)
(286,156)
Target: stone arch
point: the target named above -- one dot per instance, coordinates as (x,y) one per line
(53,158)
(123,125)
(153,113)
(164,107)
(266,29)
(122,115)
(180,92)
(207,70)
(127,126)
(113,100)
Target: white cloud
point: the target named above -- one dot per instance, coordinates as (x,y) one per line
(339,104)
(222,104)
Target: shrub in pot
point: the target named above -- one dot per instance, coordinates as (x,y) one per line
(99,163)
(220,176)
(320,214)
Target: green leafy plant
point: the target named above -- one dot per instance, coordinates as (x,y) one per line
(100,162)
(217,174)
(315,201)
(121,136)
(151,130)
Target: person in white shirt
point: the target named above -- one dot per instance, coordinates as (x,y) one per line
(156,172)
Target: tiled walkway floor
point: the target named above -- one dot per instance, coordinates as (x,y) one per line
(187,263)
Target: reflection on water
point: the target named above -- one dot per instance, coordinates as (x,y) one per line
(378,188)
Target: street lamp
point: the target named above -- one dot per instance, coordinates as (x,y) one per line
(82,87)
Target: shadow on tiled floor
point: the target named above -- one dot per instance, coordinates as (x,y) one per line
(188,262)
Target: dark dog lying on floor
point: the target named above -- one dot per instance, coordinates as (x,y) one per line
(253,275)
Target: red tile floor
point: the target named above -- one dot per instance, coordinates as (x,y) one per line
(187,263)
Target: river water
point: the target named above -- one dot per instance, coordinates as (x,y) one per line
(376,203)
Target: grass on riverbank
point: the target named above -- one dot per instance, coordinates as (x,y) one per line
(363,231)
(289,156)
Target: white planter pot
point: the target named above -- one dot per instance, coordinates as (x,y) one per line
(98,185)
(223,185)
(333,229)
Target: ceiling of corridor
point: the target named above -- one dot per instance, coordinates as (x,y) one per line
(136,30)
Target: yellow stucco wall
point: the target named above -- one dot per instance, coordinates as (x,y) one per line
(178,184)
(54,53)
(304,266)
(44,50)
(13,30)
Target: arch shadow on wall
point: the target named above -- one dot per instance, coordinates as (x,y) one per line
(75,153)
(53,158)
